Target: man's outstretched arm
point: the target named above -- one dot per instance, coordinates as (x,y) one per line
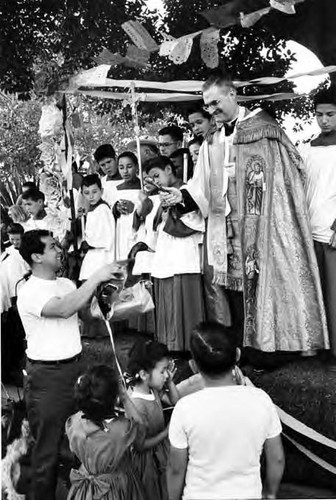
(69,304)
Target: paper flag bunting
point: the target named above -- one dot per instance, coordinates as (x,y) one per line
(169,42)
(106,57)
(136,57)
(209,50)
(285,6)
(181,51)
(93,76)
(223,16)
(248,20)
(139,36)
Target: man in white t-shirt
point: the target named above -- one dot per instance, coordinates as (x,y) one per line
(48,308)
(217,434)
(319,157)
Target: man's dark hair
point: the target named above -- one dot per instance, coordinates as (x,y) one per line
(15,228)
(197,108)
(29,185)
(218,77)
(129,154)
(31,243)
(213,346)
(325,96)
(104,151)
(33,194)
(90,180)
(173,131)
(160,162)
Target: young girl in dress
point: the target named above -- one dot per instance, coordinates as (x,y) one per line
(102,440)
(150,371)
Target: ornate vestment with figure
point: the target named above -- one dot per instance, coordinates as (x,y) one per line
(249,185)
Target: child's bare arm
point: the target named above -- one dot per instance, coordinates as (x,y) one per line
(275,464)
(155,440)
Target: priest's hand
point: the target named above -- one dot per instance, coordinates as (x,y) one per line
(332,241)
(172,197)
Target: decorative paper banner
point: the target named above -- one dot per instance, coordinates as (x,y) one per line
(181,51)
(229,14)
(107,57)
(185,85)
(180,97)
(285,6)
(139,36)
(136,56)
(167,45)
(223,16)
(93,76)
(248,20)
(209,50)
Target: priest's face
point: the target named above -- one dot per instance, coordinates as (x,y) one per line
(326,117)
(221,102)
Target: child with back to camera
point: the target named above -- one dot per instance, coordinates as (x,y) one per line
(102,440)
(150,371)
(217,434)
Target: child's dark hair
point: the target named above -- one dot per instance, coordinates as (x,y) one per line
(90,180)
(197,108)
(104,151)
(160,162)
(145,355)
(194,140)
(15,228)
(325,96)
(213,346)
(175,132)
(129,154)
(33,194)
(96,392)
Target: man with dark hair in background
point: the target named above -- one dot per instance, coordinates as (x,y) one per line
(170,139)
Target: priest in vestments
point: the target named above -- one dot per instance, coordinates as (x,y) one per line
(248,182)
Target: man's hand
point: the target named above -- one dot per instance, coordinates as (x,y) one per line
(108,272)
(171,198)
(332,241)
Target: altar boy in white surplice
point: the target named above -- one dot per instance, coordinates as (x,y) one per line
(99,235)
(124,201)
(319,158)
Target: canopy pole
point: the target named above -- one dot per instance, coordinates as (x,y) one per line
(134,107)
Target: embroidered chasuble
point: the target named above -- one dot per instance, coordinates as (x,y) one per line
(259,237)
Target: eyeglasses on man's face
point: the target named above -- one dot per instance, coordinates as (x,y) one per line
(212,104)
(166,144)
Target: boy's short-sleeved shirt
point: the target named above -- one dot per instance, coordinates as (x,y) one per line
(48,339)
(224,429)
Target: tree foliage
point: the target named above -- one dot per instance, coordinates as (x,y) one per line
(33,31)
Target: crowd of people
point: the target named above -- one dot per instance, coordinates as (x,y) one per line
(239,234)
